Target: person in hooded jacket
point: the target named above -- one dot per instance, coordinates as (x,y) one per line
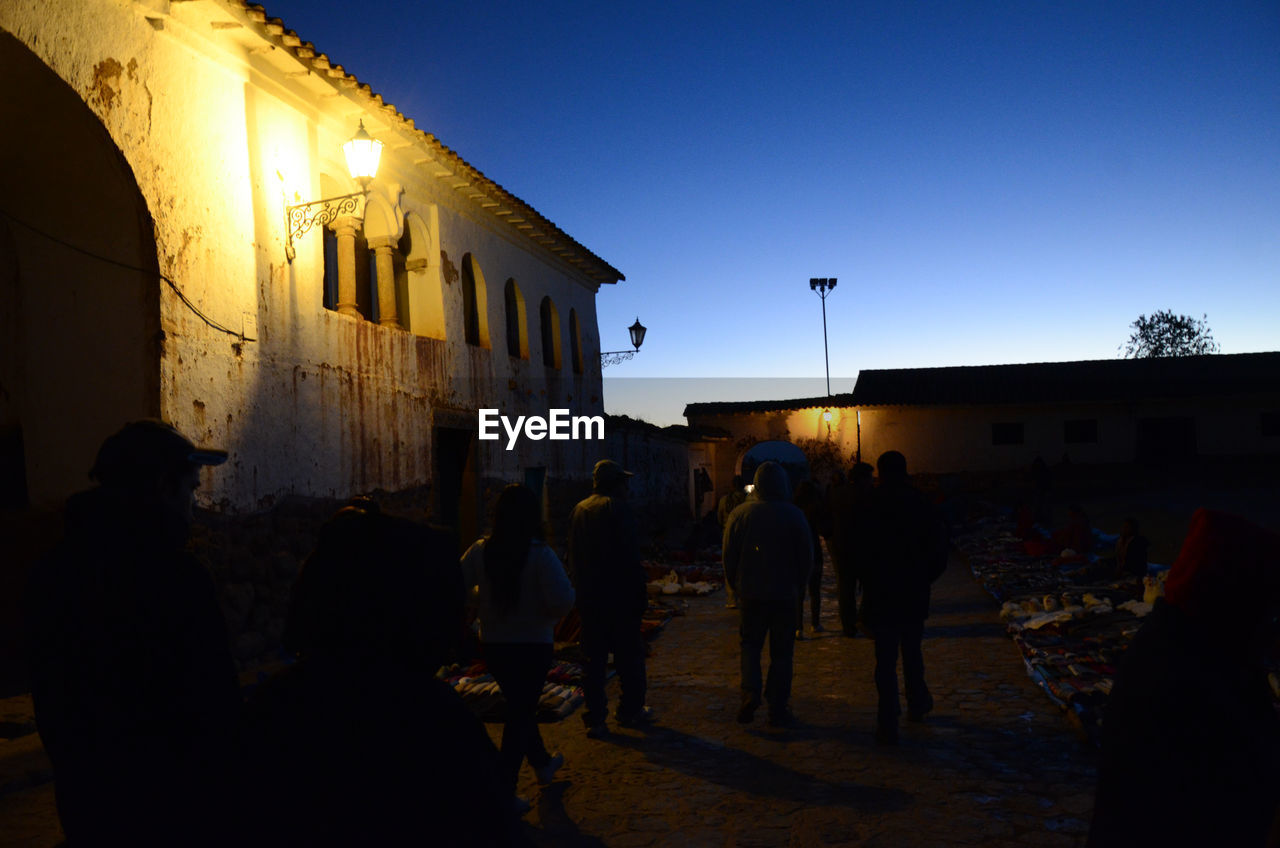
(358,742)
(768,553)
(1190,738)
(132,678)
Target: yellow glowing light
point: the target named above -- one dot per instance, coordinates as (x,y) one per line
(363,153)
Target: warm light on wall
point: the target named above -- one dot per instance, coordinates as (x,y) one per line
(363,153)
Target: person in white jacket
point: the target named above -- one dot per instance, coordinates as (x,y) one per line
(520,590)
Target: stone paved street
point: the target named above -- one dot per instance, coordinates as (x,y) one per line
(995,765)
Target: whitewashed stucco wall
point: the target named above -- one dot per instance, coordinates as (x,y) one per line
(221,130)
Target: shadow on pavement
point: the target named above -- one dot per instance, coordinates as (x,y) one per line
(558,830)
(744,772)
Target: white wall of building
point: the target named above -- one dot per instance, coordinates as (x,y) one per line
(222,127)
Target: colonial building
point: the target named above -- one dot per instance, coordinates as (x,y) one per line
(158,258)
(1001,417)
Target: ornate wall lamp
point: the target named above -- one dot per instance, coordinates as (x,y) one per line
(614,357)
(363,152)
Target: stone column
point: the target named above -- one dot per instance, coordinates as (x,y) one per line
(382,248)
(345,229)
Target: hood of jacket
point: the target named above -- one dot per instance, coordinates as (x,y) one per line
(1228,572)
(772,483)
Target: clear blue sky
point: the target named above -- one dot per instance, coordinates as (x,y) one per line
(990,182)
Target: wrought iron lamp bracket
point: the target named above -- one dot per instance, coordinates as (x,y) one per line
(615,357)
(300,219)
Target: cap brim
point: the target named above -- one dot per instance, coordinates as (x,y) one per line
(207,456)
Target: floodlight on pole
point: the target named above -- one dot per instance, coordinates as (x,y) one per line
(824,286)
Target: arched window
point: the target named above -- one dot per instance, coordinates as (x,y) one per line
(366,274)
(517,335)
(550,333)
(575,342)
(475,319)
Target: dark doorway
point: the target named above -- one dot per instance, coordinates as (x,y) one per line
(1162,441)
(457,483)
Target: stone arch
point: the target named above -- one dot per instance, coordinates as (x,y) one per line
(550,321)
(517,320)
(475,303)
(382,218)
(84,296)
(423,292)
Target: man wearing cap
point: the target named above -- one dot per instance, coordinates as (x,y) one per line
(604,562)
(134,686)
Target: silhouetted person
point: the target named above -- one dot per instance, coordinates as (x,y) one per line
(809,498)
(1041,488)
(1191,741)
(134,686)
(767,557)
(847,505)
(1077,535)
(907,551)
(1131,550)
(358,743)
(604,561)
(730,501)
(521,592)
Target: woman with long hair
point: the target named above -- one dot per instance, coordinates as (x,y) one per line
(520,592)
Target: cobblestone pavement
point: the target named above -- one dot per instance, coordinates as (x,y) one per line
(996,763)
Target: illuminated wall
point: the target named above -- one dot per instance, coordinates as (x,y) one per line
(219,119)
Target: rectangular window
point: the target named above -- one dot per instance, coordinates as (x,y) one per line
(1270,425)
(1007,433)
(1080,432)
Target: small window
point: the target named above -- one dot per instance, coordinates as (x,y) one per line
(550,319)
(475,307)
(1081,432)
(1007,433)
(575,342)
(1270,425)
(517,338)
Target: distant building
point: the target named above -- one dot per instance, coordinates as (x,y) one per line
(151,149)
(993,417)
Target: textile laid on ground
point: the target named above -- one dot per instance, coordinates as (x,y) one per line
(682,573)
(1071,623)
(561,694)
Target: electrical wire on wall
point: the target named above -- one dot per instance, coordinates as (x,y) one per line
(172,285)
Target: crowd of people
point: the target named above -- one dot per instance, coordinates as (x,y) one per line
(357,742)
(887,540)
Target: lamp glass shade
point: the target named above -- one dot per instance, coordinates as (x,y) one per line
(637,331)
(363,152)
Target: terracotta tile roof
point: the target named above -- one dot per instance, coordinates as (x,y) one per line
(1071,382)
(521,216)
(1101,380)
(741,406)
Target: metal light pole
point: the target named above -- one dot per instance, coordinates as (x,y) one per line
(824,286)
